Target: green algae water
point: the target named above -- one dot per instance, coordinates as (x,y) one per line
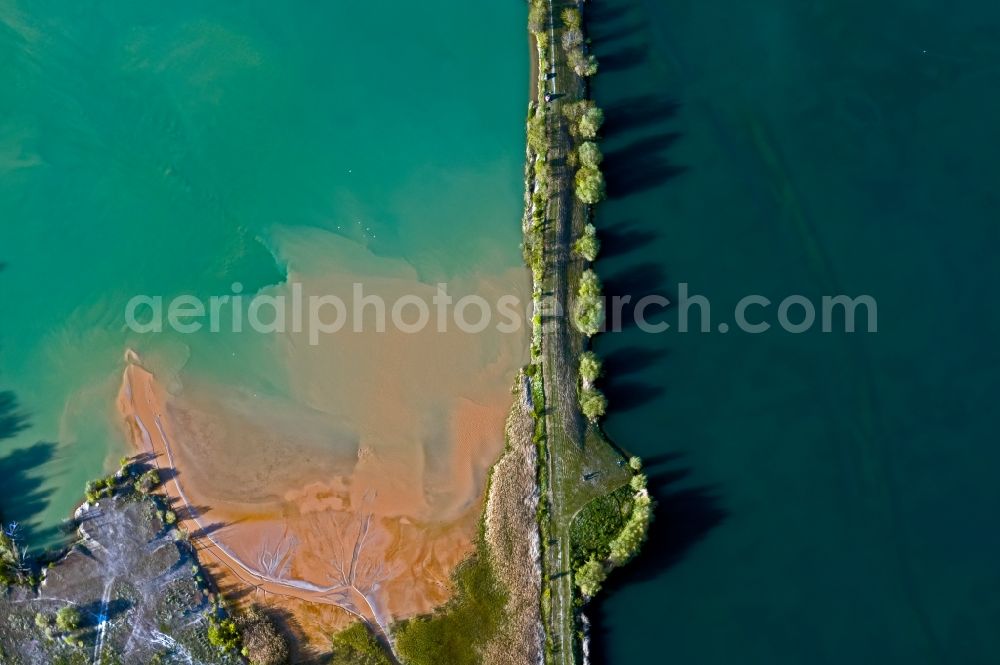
(824,498)
(154,149)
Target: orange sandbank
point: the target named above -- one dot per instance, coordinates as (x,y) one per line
(360,498)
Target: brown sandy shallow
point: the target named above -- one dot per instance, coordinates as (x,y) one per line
(356,493)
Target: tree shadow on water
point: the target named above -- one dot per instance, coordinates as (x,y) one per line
(23,498)
(684,517)
(605,34)
(13,421)
(623,362)
(622,59)
(642,164)
(623,238)
(638,113)
(631,289)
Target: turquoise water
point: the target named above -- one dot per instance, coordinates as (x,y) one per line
(147,149)
(824,498)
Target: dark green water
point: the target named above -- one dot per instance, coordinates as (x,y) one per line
(824,498)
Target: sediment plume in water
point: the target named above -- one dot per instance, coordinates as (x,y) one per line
(361,487)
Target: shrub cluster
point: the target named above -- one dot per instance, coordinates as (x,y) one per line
(628,543)
(147,482)
(223,633)
(590,368)
(585,117)
(99,489)
(262,643)
(593,404)
(357,646)
(590,186)
(590,576)
(588,245)
(589,311)
(67,618)
(574,43)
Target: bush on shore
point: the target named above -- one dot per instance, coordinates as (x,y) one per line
(538,17)
(589,311)
(590,154)
(590,368)
(147,482)
(585,117)
(590,576)
(628,543)
(590,186)
(538,137)
(262,643)
(572,38)
(593,404)
(99,489)
(358,646)
(584,64)
(588,245)
(590,123)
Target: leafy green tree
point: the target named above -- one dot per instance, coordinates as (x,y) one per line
(590,367)
(590,122)
(538,15)
(589,310)
(635,462)
(590,186)
(628,543)
(590,576)
(68,618)
(638,482)
(147,481)
(223,634)
(583,64)
(590,154)
(572,18)
(588,245)
(572,39)
(575,110)
(593,404)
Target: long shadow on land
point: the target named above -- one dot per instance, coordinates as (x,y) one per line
(684,517)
